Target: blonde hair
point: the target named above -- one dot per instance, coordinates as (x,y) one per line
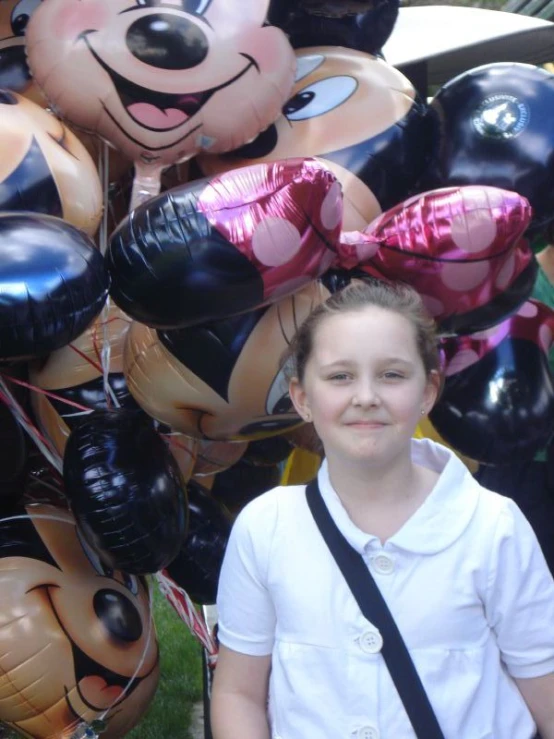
(395,297)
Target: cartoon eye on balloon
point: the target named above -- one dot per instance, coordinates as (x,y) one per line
(163,82)
(77,641)
(359,117)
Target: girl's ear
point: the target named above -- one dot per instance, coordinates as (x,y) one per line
(433,389)
(299,399)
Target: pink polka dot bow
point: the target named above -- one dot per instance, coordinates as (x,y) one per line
(462,248)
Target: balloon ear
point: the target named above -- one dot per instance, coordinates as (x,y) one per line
(53,283)
(498,399)
(125,490)
(351,24)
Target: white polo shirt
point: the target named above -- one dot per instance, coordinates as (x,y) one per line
(464,579)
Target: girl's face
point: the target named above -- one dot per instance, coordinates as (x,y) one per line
(365,386)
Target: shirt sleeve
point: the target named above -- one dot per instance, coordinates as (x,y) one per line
(520,597)
(246,615)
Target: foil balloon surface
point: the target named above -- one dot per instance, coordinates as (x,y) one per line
(53,283)
(126,491)
(163,81)
(77,640)
(497,405)
(360,117)
(222,246)
(461,248)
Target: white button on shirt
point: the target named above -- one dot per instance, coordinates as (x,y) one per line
(368,732)
(464,579)
(382,564)
(371,641)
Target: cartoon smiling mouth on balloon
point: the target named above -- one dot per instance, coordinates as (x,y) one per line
(162,81)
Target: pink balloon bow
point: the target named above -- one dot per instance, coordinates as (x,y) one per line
(533,322)
(459,247)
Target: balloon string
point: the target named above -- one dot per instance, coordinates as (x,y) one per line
(42,443)
(49,394)
(186,610)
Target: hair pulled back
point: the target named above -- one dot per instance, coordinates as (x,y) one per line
(395,297)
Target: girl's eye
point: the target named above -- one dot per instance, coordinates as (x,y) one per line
(393,376)
(339,376)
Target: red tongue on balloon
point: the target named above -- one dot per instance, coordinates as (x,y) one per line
(153,117)
(96,691)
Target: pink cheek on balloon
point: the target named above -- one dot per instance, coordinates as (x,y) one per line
(460,361)
(73,19)
(275,242)
(545,338)
(506,273)
(463,277)
(262,44)
(331,208)
(528,310)
(473,231)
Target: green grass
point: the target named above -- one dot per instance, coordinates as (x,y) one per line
(180,678)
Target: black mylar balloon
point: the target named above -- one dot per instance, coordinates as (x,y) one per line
(241,483)
(364,25)
(125,490)
(496,129)
(13,455)
(197,566)
(53,283)
(501,408)
(268,452)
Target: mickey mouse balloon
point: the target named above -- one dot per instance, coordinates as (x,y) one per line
(161,81)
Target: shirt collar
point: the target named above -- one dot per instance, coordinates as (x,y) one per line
(438,522)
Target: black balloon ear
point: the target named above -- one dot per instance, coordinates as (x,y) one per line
(125,490)
(197,566)
(53,284)
(501,408)
(364,25)
(241,483)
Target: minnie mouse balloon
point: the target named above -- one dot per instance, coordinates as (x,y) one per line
(215,248)
(161,82)
(460,248)
(497,405)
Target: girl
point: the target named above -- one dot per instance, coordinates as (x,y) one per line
(459,566)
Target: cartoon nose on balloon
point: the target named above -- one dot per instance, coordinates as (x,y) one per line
(118,615)
(167,41)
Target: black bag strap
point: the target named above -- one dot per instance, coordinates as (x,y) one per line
(374,608)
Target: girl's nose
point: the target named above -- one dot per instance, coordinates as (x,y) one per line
(365,394)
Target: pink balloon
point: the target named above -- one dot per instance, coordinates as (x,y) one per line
(462,248)
(159,82)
